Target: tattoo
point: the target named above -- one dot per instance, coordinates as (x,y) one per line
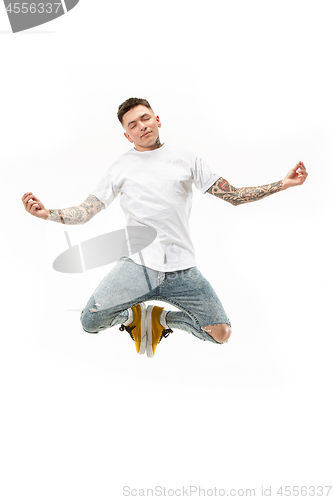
(77,215)
(158,142)
(54,216)
(92,206)
(61,217)
(238,196)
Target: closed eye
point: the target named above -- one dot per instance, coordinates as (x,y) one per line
(145,119)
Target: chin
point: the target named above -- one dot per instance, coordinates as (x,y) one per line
(150,143)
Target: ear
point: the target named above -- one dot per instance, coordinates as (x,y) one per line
(128,137)
(159,124)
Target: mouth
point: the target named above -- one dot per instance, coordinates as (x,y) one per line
(147,133)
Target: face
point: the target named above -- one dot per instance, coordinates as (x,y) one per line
(141,126)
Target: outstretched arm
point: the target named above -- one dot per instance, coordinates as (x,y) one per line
(77,215)
(73,215)
(237,196)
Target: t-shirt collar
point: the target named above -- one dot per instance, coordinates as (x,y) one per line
(151,150)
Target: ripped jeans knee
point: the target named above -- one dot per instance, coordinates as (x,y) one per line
(220,332)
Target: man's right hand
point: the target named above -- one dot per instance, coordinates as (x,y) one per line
(34,206)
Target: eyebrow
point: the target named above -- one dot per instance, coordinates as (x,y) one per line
(133,121)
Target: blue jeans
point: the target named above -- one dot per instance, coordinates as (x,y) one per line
(128,284)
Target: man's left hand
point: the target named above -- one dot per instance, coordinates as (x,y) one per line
(296,176)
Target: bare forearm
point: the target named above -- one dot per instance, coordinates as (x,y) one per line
(238,196)
(77,215)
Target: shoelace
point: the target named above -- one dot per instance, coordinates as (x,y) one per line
(165,333)
(129,329)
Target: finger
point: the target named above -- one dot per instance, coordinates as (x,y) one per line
(28,205)
(25,201)
(29,196)
(32,205)
(26,197)
(26,194)
(30,199)
(33,202)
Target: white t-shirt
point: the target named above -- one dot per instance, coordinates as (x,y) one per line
(155,190)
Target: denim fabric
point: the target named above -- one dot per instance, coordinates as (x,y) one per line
(128,284)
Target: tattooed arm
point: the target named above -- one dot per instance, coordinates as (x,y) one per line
(222,189)
(77,215)
(237,196)
(73,215)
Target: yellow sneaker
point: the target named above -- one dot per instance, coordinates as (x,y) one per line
(156,328)
(136,327)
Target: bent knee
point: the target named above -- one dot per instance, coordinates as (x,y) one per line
(221,332)
(88,323)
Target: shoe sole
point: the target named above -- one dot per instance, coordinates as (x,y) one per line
(149,348)
(143,343)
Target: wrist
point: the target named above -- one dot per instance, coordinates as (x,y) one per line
(284,185)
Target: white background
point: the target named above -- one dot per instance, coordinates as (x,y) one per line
(248,87)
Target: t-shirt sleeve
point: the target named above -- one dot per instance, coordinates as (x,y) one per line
(106,190)
(203,175)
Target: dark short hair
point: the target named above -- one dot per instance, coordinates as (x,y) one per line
(129,104)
